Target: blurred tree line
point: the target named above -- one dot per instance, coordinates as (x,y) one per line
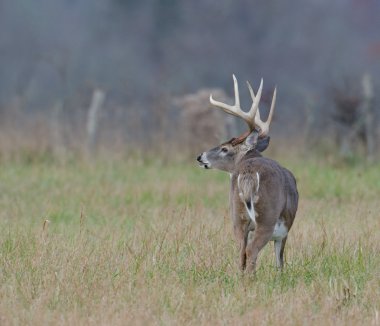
(144,53)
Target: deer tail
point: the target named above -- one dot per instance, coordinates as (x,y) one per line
(248,187)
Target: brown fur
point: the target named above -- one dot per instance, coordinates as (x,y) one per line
(277,196)
(274,197)
(263,196)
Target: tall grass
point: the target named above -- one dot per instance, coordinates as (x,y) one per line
(142,242)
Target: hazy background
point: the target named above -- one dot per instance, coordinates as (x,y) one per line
(144,55)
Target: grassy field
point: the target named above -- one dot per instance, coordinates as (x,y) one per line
(138,242)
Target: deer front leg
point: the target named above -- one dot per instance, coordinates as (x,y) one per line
(260,239)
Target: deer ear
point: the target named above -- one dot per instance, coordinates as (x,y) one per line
(252,138)
(262,144)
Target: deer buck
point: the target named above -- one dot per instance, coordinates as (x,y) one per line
(263,194)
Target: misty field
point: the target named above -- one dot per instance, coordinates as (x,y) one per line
(136,241)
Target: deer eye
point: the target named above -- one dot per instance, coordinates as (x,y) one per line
(224,149)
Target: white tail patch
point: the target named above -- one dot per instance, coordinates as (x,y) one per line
(247,193)
(258,182)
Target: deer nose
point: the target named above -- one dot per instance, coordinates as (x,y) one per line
(199,158)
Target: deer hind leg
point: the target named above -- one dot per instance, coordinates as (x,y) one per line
(241,235)
(260,239)
(279,246)
(282,250)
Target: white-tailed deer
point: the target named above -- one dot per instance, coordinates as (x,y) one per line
(263,194)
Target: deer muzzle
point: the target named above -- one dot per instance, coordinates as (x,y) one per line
(203,162)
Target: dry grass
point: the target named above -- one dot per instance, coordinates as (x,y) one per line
(139,242)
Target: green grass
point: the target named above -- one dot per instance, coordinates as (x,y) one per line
(139,242)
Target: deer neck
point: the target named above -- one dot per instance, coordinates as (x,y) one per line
(251,154)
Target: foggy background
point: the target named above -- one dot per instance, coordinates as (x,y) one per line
(145,56)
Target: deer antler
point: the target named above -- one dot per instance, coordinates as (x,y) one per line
(248,117)
(252,117)
(264,126)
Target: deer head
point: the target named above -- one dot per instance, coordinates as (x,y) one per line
(227,155)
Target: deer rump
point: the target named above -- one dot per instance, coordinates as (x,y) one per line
(267,190)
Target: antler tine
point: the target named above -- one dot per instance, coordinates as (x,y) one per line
(255,101)
(236,90)
(269,120)
(264,126)
(230,109)
(248,117)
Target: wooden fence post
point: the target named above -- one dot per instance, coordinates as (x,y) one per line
(93,114)
(367,108)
